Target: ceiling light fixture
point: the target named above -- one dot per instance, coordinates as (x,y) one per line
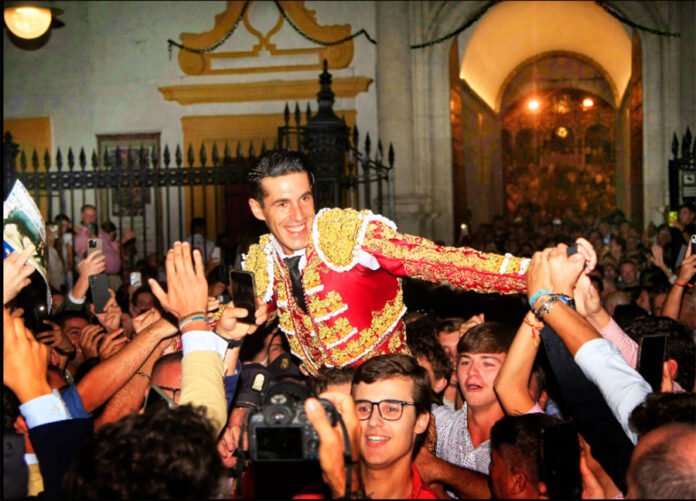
(533,105)
(587,103)
(29,20)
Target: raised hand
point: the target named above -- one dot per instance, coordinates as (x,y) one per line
(564,269)
(111,344)
(472,322)
(187,288)
(90,339)
(144,320)
(15,273)
(56,337)
(586,297)
(25,360)
(94,264)
(331,443)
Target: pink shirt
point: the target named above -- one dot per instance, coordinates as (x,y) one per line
(110,249)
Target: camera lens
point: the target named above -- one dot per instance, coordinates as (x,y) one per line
(279,416)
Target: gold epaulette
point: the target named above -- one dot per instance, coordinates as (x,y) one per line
(338,234)
(260,262)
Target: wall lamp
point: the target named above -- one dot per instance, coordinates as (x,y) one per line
(29,20)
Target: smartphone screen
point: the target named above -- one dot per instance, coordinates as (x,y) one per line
(243,292)
(561,461)
(136,279)
(651,358)
(99,287)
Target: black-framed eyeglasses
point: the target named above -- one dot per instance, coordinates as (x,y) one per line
(169,388)
(390,410)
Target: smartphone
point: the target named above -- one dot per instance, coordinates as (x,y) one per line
(94,245)
(216,254)
(651,358)
(156,396)
(243,292)
(99,287)
(136,278)
(572,249)
(560,461)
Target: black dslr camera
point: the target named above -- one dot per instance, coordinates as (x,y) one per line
(280,431)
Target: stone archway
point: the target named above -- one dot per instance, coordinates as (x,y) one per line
(432,147)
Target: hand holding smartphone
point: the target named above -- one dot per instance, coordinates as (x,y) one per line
(243,292)
(99,286)
(94,245)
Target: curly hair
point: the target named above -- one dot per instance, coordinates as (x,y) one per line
(659,409)
(164,453)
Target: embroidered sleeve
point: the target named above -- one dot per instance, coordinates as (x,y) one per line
(259,261)
(463,267)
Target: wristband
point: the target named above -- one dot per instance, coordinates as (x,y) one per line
(191,319)
(682,284)
(548,304)
(194,314)
(536,329)
(567,300)
(537,295)
(231,343)
(70,354)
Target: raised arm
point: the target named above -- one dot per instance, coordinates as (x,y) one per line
(512,382)
(673,303)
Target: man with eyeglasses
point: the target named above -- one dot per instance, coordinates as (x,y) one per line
(392,401)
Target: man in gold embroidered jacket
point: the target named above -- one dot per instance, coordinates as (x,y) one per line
(351,263)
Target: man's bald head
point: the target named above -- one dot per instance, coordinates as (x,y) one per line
(615,299)
(167,371)
(663,464)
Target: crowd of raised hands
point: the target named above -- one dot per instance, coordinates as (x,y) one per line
(107,363)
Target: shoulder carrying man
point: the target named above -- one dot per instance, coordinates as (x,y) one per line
(334,277)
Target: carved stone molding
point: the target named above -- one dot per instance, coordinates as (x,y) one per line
(338,56)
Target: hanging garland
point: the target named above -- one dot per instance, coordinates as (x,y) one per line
(610,10)
(627,21)
(171,42)
(326,44)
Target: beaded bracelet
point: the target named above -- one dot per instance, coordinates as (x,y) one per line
(548,304)
(537,295)
(146,376)
(192,319)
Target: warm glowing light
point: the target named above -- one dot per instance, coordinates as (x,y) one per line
(587,103)
(533,105)
(28,22)
(562,132)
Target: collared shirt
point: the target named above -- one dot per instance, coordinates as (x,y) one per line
(44,409)
(109,249)
(454,443)
(621,386)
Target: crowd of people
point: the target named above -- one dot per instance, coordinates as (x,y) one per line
(535,394)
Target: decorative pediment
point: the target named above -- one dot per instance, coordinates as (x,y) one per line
(213,63)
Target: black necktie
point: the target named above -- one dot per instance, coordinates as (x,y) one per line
(293,264)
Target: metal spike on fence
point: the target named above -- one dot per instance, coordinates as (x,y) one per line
(83,159)
(106,158)
(675,146)
(189,156)
(263,147)
(356,136)
(391,156)
(286,115)
(252,151)
(239,149)
(142,156)
(216,155)
(203,155)
(686,143)
(228,155)
(308,112)
(95,160)
(59,159)
(379,151)
(177,156)
(35,160)
(117,157)
(47,159)
(167,156)
(130,157)
(154,158)
(297,114)
(368,145)
(23,161)
(71,159)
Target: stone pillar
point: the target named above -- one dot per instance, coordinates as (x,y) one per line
(395,107)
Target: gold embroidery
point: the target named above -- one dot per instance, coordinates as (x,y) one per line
(338,232)
(368,339)
(457,266)
(256,261)
(321,309)
(310,278)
